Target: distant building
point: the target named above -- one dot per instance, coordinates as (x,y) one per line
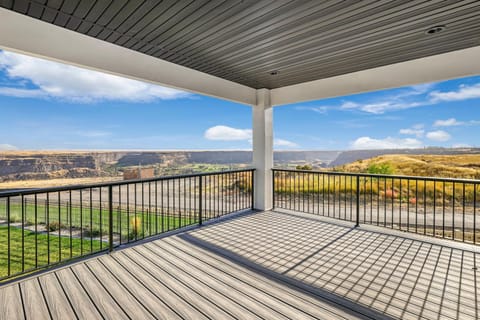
(138,173)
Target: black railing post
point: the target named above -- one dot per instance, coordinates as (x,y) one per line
(273,189)
(252,198)
(200,202)
(357,219)
(110,218)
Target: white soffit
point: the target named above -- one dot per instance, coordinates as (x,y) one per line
(456,64)
(31,36)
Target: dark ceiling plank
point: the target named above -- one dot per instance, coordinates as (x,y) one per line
(8,4)
(146,16)
(36,9)
(217,21)
(328,28)
(51,10)
(65,12)
(164,21)
(236,24)
(243,41)
(190,22)
(126,22)
(21,6)
(89,25)
(322,49)
(370,58)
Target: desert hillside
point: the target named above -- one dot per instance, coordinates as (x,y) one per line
(451,166)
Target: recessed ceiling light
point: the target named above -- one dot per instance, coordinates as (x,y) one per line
(435,29)
(274,73)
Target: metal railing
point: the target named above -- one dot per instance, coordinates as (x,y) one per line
(444,208)
(44,227)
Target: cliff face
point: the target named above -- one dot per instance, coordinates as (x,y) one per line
(44,166)
(48,165)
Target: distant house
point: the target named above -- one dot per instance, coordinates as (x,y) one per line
(138,173)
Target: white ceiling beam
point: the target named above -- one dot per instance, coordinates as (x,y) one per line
(23,34)
(455,64)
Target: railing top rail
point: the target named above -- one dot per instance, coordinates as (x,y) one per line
(17,193)
(469,181)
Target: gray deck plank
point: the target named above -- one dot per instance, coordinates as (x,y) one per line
(57,302)
(223,296)
(33,302)
(107,306)
(10,301)
(81,303)
(157,287)
(200,302)
(124,298)
(153,303)
(266,265)
(278,297)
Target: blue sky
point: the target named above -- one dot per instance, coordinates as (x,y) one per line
(50,106)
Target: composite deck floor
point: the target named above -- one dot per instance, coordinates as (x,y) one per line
(267,265)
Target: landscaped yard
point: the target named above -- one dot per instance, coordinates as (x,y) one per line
(39,249)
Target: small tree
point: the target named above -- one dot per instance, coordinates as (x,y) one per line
(304,167)
(383,168)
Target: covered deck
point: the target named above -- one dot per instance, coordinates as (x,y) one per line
(268,265)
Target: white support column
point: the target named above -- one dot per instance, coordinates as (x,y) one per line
(263,150)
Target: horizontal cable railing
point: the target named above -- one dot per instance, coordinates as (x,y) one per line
(444,208)
(44,227)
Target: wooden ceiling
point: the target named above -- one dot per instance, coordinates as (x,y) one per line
(269,44)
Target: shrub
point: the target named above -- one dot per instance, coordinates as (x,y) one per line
(304,167)
(135,226)
(383,168)
(54,226)
(92,233)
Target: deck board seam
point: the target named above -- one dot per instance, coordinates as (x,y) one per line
(226,284)
(204,283)
(22,302)
(66,295)
(44,297)
(142,284)
(125,287)
(87,293)
(290,293)
(108,291)
(166,286)
(186,286)
(285,280)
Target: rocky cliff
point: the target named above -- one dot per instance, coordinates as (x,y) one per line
(47,165)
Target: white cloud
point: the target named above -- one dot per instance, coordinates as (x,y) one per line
(438,135)
(464,92)
(448,123)
(320,109)
(386,143)
(416,130)
(284,143)
(227,133)
(6,147)
(454,122)
(56,80)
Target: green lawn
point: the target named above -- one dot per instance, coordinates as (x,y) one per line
(36,249)
(41,249)
(96,219)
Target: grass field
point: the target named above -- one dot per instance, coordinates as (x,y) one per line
(40,249)
(95,220)
(443,166)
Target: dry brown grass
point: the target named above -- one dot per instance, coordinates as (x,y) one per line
(445,166)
